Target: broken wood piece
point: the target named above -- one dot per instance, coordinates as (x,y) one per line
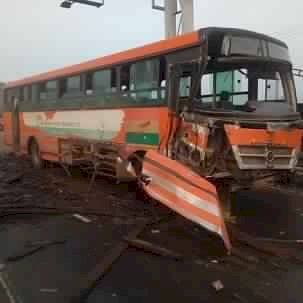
(280,241)
(238,298)
(217,285)
(49,290)
(88,282)
(15,205)
(244,256)
(82,218)
(45,243)
(41,210)
(269,248)
(14,179)
(153,249)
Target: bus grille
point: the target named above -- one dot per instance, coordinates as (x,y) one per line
(265,156)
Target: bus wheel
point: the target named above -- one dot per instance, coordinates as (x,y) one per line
(37,161)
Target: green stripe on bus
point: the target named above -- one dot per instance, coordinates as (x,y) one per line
(143,138)
(80,132)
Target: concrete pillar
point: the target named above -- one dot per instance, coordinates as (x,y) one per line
(171,7)
(187,7)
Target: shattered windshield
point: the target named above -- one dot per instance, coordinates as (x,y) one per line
(241,87)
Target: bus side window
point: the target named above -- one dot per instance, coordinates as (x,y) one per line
(147,77)
(21,94)
(35,93)
(162,78)
(51,89)
(89,84)
(62,87)
(42,91)
(125,78)
(73,85)
(28,93)
(48,90)
(70,87)
(103,81)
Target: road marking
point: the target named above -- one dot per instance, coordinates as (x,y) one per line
(8,291)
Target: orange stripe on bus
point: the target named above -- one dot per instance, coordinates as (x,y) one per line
(247,136)
(175,180)
(182,170)
(186,205)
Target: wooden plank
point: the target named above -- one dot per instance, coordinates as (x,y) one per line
(87,283)
(153,249)
(44,210)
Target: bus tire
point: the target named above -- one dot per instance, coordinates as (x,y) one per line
(35,154)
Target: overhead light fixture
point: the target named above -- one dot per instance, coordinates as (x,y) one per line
(158,6)
(69,3)
(66,4)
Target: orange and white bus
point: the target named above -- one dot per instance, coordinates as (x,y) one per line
(188,117)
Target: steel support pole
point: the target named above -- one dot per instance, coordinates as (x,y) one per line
(170,11)
(187,7)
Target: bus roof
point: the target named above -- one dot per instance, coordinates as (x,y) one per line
(153,49)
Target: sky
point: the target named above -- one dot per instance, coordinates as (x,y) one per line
(38,35)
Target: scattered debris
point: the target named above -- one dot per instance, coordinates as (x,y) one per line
(265,246)
(243,237)
(49,290)
(14,179)
(153,249)
(45,243)
(18,199)
(31,248)
(244,256)
(217,285)
(238,298)
(86,284)
(82,218)
(42,210)
(121,221)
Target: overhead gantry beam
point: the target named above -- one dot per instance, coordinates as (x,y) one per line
(170,9)
(69,3)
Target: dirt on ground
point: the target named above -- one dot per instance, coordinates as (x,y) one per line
(39,205)
(3,147)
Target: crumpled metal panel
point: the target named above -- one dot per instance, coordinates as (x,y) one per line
(185,192)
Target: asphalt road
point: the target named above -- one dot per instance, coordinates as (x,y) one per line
(53,273)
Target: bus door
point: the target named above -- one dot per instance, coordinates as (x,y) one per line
(15,124)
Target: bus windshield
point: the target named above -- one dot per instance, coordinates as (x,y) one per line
(242,87)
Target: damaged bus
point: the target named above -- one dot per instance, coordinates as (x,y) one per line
(190,118)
